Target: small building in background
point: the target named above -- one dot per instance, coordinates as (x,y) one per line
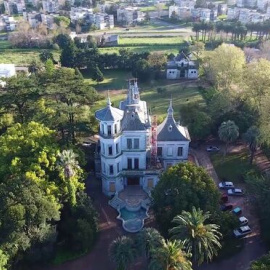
(181,67)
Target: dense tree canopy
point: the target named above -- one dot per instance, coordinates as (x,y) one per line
(263,263)
(181,187)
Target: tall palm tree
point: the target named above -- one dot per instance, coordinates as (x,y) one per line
(147,240)
(228,132)
(122,252)
(252,137)
(69,164)
(202,240)
(170,256)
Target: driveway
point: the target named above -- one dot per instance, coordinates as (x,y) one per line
(254,247)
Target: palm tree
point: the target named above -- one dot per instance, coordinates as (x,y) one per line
(252,138)
(202,240)
(122,252)
(147,240)
(228,132)
(170,256)
(69,164)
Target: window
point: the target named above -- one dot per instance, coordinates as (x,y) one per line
(180,151)
(129,163)
(159,151)
(103,167)
(109,130)
(103,148)
(110,151)
(111,169)
(115,129)
(136,143)
(118,167)
(136,163)
(117,148)
(102,129)
(129,143)
(169,151)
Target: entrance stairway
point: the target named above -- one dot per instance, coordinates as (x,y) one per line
(116,203)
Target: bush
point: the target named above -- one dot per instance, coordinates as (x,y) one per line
(55,46)
(161,90)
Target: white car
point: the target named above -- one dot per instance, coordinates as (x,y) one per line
(242,231)
(235,192)
(243,221)
(212,148)
(226,185)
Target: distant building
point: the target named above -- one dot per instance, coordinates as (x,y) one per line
(50,6)
(102,20)
(14,6)
(129,15)
(180,12)
(181,67)
(185,3)
(109,40)
(6,71)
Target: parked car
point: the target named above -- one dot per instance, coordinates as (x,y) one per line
(242,231)
(212,148)
(243,221)
(237,211)
(235,192)
(226,207)
(226,185)
(224,198)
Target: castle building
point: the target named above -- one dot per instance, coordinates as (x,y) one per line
(134,150)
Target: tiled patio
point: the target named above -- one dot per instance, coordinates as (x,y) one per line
(133,195)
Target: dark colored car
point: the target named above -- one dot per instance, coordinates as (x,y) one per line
(226,207)
(224,198)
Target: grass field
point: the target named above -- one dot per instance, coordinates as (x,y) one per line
(233,166)
(116,81)
(20,56)
(150,41)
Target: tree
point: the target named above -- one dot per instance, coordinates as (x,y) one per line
(170,256)
(122,252)
(202,240)
(252,137)
(228,132)
(45,55)
(49,67)
(18,96)
(141,70)
(35,66)
(79,225)
(3,260)
(97,75)
(181,187)
(263,263)
(69,165)
(225,66)
(148,240)
(197,120)
(26,217)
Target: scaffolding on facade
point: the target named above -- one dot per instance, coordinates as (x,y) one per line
(154,141)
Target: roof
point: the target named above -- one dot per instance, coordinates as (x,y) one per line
(131,120)
(109,113)
(169,130)
(181,56)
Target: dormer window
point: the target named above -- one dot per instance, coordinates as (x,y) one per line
(133,115)
(170,128)
(135,96)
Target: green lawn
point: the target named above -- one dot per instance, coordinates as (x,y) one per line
(233,166)
(20,56)
(116,81)
(146,48)
(131,41)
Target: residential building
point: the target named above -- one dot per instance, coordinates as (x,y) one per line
(14,6)
(180,12)
(181,67)
(79,13)
(185,3)
(129,15)
(50,6)
(133,149)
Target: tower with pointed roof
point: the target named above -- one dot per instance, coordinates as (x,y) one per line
(125,143)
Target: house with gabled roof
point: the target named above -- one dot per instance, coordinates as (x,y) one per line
(182,66)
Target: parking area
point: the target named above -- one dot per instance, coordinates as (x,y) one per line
(254,246)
